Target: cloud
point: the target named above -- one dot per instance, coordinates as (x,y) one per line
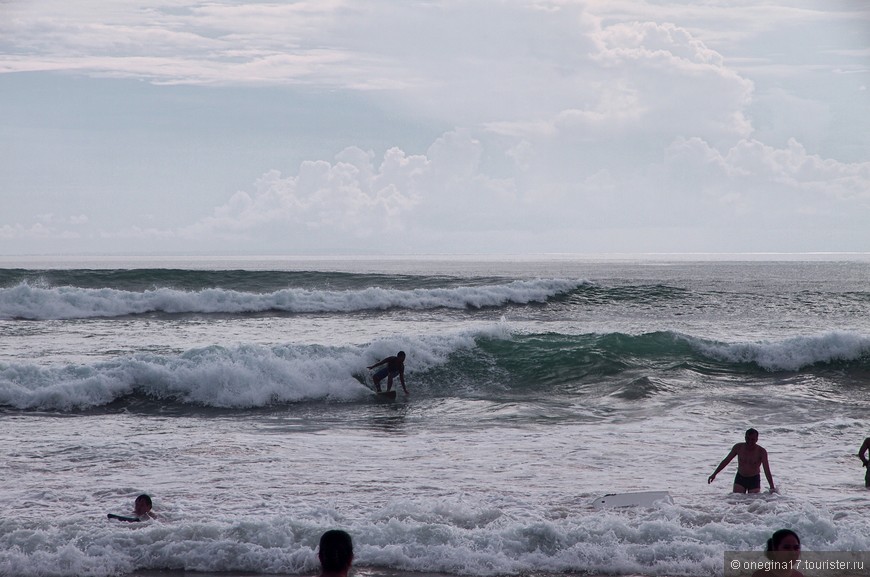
(753,163)
(48,226)
(36,231)
(766,198)
(651,81)
(359,197)
(348,197)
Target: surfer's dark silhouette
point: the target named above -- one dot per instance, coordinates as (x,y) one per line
(395,366)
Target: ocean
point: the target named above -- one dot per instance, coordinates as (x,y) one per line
(227,389)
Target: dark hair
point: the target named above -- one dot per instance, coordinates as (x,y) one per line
(144,497)
(774,542)
(336,550)
(750,432)
(400,354)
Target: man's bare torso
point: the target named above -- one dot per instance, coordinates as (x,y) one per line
(749,458)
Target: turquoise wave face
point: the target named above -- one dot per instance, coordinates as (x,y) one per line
(556,360)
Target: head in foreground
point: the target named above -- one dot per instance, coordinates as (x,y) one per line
(784,545)
(335,553)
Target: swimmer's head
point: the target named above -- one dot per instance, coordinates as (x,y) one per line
(784,540)
(142,504)
(336,551)
(784,545)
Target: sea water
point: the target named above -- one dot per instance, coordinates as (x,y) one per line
(228,390)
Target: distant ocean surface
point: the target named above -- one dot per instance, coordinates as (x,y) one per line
(228,391)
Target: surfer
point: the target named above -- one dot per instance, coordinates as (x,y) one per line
(335,553)
(751,457)
(865,446)
(395,366)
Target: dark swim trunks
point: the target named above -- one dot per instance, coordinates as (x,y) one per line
(748,483)
(383,373)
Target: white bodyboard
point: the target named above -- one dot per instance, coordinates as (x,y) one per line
(640,499)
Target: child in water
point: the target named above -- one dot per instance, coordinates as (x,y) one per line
(142,508)
(141,511)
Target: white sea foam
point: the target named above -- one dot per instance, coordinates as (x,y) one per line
(792,354)
(456,536)
(39,303)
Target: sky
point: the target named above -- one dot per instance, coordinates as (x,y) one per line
(403,127)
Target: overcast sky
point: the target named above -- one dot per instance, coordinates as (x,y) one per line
(426,126)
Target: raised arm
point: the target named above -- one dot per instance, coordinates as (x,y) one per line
(723,464)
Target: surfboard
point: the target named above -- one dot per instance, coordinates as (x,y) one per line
(381,395)
(639,499)
(123,518)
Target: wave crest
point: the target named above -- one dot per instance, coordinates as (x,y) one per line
(795,353)
(25,301)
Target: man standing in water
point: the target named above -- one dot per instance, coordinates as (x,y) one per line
(750,458)
(395,367)
(865,446)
